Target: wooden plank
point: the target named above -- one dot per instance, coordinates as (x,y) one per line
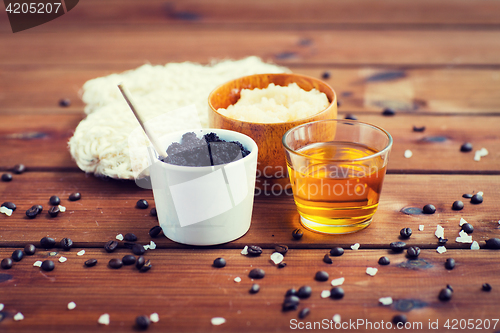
(38,89)
(186,291)
(107,208)
(346,47)
(23,137)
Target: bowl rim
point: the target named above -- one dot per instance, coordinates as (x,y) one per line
(297,121)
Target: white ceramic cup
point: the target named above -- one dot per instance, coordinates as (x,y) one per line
(205,205)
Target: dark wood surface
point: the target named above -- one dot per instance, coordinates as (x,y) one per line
(436,63)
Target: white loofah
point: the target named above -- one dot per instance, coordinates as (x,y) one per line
(100,144)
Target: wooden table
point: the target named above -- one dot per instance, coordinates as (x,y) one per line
(436,62)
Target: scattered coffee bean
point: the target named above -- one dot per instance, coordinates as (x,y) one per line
(32,212)
(388,112)
(405,233)
(418,129)
(384,261)
(397,246)
(304,292)
(30,249)
(476,199)
(9,205)
(254,250)
(66,244)
(486,287)
(128,245)
(142,322)
(350,116)
(297,234)
(142,204)
(413,252)
(130,237)
(17,255)
(6,177)
(304,312)
(146,267)
(466,147)
(54,211)
(468,228)
(449,263)
(257,273)
(467,196)
(140,262)
(91,262)
(399,319)
(282,264)
(155,231)
(493,243)
(337,251)
(429,209)
(138,249)
(153,212)
(290,303)
(445,294)
(128,259)
(291,292)
(254,289)
(219,262)
(321,276)
(75,196)
(48,265)
(65,102)
(54,200)
(449,287)
(6,263)
(110,246)
(442,241)
(283,249)
(39,208)
(47,243)
(19,168)
(327,259)
(325,75)
(115,263)
(457,205)
(337,293)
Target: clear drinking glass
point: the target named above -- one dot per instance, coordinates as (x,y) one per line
(336,169)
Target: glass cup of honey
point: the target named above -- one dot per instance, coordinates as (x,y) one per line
(336,169)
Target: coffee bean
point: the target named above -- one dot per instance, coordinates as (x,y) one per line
(449,263)
(297,234)
(413,252)
(466,147)
(467,196)
(325,75)
(30,249)
(53,211)
(493,243)
(54,200)
(219,263)
(457,205)
(254,289)
(337,293)
(399,319)
(468,228)
(9,205)
(18,168)
(146,267)
(291,292)
(65,102)
(476,199)
(142,322)
(6,177)
(6,263)
(75,196)
(429,209)
(142,204)
(17,255)
(39,208)
(32,212)
(153,212)
(418,129)
(283,249)
(48,265)
(445,294)
(337,251)
(291,303)
(47,243)
(384,261)
(66,244)
(91,262)
(397,246)
(388,112)
(115,263)
(257,273)
(130,237)
(254,250)
(138,249)
(155,231)
(321,276)
(128,259)
(350,116)
(405,233)
(327,259)
(486,287)
(140,262)
(304,292)
(110,246)
(304,312)
(442,241)
(282,264)
(128,245)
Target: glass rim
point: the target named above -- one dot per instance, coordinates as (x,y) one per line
(342,121)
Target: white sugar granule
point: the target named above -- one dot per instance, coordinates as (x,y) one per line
(119,237)
(462,221)
(325,294)
(408,153)
(421,227)
(439,231)
(37,263)
(337,282)
(237,279)
(277,257)
(474,246)
(463,237)
(80,253)
(216,321)
(355,246)
(63,259)
(371,271)
(245,250)
(152,245)
(146,247)
(103,319)
(62,209)
(480,193)
(154,317)
(385,300)
(1,306)
(336,318)
(6,211)
(71,305)
(441,249)
(18,316)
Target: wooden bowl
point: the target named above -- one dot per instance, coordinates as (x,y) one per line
(271,166)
